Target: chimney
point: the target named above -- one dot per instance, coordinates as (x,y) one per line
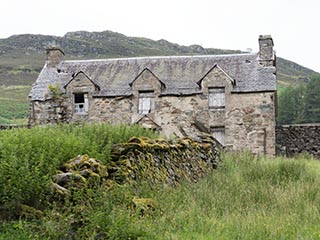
(54,56)
(266,54)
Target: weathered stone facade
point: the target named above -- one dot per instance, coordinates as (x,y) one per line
(232,96)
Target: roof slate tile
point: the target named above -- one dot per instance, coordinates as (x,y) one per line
(180,74)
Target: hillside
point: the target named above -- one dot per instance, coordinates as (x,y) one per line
(22,56)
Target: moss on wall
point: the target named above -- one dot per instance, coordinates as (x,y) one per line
(139,160)
(162,161)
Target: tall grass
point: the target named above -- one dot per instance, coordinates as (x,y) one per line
(14,104)
(245,198)
(29,157)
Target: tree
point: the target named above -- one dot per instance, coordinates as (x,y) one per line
(291,105)
(312,100)
(300,104)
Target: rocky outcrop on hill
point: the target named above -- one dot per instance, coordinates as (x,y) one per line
(26,52)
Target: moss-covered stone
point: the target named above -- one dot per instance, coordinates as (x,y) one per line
(13,211)
(78,173)
(158,160)
(139,160)
(30,212)
(144,205)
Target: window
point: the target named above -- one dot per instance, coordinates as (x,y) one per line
(216,98)
(146,102)
(81,103)
(219,134)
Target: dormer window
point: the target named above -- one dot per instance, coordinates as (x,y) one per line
(146,102)
(81,105)
(216,98)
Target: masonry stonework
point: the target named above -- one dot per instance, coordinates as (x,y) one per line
(299,138)
(232,96)
(251,123)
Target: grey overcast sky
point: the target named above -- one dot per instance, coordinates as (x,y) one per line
(228,24)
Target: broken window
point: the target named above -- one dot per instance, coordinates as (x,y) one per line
(146,102)
(81,103)
(219,134)
(216,97)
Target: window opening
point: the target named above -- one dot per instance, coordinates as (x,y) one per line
(146,102)
(217,97)
(80,103)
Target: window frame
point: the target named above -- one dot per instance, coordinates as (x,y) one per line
(146,102)
(80,107)
(219,134)
(216,98)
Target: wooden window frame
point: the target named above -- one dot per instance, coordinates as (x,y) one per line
(219,133)
(145,102)
(80,106)
(216,98)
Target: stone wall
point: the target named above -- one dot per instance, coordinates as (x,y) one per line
(295,139)
(156,161)
(250,123)
(115,110)
(247,119)
(12,126)
(50,111)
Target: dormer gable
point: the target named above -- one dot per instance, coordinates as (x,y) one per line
(216,77)
(81,82)
(146,80)
(147,122)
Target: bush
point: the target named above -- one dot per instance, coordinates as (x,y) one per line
(245,198)
(29,157)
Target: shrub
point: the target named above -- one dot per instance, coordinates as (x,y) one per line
(29,157)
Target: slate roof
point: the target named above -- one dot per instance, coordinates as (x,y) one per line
(180,74)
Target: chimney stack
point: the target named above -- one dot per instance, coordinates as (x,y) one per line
(266,54)
(54,56)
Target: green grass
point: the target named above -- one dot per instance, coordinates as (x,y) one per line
(29,157)
(14,104)
(246,198)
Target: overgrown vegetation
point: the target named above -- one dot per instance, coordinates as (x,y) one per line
(245,198)
(29,157)
(300,104)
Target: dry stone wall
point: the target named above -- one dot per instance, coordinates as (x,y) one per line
(295,139)
(156,161)
(11,126)
(162,161)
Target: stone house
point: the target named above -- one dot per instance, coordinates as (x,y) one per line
(231,96)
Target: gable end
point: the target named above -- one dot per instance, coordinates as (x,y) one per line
(78,74)
(147,73)
(216,66)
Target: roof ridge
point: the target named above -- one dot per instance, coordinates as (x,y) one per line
(161,57)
